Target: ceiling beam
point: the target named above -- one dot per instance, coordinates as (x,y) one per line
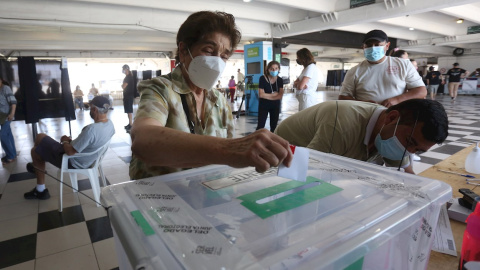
(369,13)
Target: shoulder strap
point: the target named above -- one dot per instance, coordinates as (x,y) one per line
(191,125)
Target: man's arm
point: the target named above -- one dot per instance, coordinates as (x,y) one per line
(413,93)
(67,147)
(12,112)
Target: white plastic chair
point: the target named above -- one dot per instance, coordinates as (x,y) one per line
(92,172)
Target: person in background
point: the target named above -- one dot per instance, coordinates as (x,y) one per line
(93,90)
(182,122)
(128,95)
(240,80)
(434,78)
(270,92)
(414,63)
(379,78)
(454,75)
(220,88)
(369,132)
(306,84)
(400,54)
(46,149)
(475,74)
(8,105)
(54,89)
(231,88)
(78,97)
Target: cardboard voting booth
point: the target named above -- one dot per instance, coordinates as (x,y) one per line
(346,215)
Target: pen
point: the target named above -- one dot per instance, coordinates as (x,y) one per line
(461,174)
(472,179)
(475,184)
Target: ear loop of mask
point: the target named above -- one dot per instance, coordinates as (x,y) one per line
(408,142)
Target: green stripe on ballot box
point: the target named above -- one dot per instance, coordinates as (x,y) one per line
(142,222)
(280,198)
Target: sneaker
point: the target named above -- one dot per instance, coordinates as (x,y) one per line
(6,161)
(128,126)
(30,168)
(416,157)
(35,194)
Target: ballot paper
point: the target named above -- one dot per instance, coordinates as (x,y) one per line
(299,166)
(443,241)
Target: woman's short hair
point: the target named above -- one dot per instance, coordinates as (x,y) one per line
(399,53)
(305,56)
(202,23)
(270,65)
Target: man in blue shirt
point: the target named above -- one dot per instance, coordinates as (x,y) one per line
(90,139)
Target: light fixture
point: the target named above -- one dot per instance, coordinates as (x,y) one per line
(460,21)
(411,28)
(246,1)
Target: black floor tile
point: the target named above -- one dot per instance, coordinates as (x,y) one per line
(18,250)
(99,229)
(84,184)
(15,177)
(448,149)
(120,144)
(429,160)
(54,219)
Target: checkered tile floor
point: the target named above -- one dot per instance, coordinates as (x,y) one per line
(34,235)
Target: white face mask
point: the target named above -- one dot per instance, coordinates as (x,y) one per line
(204,70)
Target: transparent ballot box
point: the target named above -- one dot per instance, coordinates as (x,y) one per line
(347,215)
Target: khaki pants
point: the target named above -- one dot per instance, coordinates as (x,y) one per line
(453,88)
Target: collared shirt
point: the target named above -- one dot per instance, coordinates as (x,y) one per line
(160,99)
(340,127)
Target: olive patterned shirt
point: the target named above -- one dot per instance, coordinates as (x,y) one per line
(160,99)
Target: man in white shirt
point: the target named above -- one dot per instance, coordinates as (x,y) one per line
(382,79)
(240,80)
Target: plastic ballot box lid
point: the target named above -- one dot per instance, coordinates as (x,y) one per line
(347,215)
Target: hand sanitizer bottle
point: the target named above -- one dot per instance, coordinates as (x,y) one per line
(472,163)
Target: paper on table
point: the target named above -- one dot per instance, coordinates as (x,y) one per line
(298,167)
(443,241)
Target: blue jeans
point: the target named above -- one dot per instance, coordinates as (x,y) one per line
(6,139)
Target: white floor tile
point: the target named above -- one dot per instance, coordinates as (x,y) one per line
(30,265)
(80,258)
(63,238)
(106,255)
(13,228)
(435,155)
(18,210)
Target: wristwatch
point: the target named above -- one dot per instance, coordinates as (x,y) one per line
(64,142)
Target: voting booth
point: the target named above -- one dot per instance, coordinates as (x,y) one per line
(346,215)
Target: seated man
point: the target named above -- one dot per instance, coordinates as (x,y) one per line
(367,131)
(90,139)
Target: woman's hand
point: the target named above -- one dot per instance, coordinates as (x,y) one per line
(261,149)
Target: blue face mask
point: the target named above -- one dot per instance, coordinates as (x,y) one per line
(390,148)
(274,73)
(375,53)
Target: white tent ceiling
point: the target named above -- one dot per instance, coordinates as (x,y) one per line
(110,28)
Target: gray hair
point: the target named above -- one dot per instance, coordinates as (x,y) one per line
(103,110)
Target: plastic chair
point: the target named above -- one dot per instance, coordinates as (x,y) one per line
(92,172)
